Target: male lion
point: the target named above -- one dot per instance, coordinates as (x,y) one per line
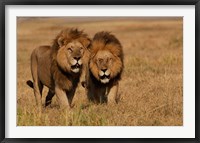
(59,66)
(105,68)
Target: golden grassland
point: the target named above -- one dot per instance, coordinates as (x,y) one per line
(151,88)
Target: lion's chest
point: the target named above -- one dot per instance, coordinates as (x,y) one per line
(66,81)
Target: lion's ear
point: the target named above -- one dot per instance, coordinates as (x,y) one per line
(60,41)
(85,41)
(92,55)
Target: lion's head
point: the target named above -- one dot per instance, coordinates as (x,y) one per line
(106,61)
(69,48)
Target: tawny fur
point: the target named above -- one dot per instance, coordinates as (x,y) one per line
(59,66)
(105,68)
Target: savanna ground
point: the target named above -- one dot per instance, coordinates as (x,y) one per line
(151,88)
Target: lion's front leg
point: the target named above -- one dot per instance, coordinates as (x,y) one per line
(70,96)
(62,98)
(112,94)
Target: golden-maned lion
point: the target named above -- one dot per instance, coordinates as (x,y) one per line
(105,68)
(59,66)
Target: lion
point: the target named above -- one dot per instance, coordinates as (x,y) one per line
(59,67)
(105,68)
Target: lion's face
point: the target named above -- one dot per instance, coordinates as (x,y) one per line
(70,56)
(104,60)
(75,51)
(105,66)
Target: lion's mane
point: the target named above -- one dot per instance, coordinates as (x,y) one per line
(108,42)
(63,77)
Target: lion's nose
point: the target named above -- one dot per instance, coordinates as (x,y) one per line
(77,58)
(103,70)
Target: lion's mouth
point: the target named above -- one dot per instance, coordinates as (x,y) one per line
(76,68)
(105,78)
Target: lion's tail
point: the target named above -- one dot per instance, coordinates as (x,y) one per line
(29,83)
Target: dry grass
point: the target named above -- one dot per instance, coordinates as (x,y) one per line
(151,88)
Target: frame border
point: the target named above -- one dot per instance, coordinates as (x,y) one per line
(3,4)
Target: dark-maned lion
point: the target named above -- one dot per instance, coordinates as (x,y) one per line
(105,68)
(59,66)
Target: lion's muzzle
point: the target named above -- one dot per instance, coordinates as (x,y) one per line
(104,76)
(76,68)
(76,65)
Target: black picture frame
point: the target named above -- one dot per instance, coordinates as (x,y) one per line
(99,2)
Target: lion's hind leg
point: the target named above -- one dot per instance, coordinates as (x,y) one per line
(38,87)
(49,97)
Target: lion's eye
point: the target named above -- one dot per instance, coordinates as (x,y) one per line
(100,60)
(69,49)
(110,59)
